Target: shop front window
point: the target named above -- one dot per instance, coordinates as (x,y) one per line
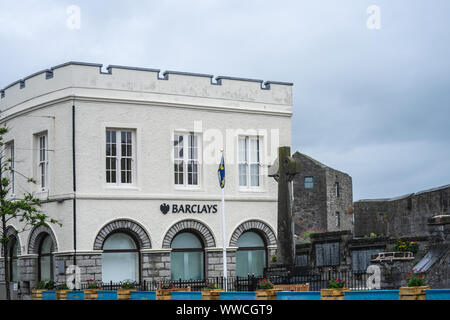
(120,259)
(251,255)
(186,258)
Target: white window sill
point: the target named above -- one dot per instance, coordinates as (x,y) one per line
(252,190)
(122,187)
(187,188)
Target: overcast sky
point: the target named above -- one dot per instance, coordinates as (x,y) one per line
(374,103)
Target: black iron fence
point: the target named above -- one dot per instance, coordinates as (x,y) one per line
(316,282)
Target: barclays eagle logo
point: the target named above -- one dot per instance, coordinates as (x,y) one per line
(164,208)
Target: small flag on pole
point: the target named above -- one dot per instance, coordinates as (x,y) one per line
(221,173)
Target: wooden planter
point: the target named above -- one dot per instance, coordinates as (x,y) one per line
(124,294)
(37,294)
(61,294)
(211,294)
(413,293)
(166,294)
(91,294)
(332,294)
(266,294)
(163,294)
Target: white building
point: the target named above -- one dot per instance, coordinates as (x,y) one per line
(126,160)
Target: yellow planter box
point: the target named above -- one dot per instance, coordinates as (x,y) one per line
(166,294)
(91,294)
(266,294)
(61,294)
(413,293)
(36,294)
(211,294)
(124,294)
(163,294)
(332,294)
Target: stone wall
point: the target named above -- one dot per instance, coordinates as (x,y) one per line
(339,202)
(310,205)
(403,216)
(315,209)
(214,263)
(90,266)
(155,266)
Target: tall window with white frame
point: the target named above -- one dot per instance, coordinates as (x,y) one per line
(43,161)
(249,161)
(119,157)
(186,158)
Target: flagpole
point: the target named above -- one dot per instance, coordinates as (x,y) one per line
(224,241)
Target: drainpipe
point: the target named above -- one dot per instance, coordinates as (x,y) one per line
(74,188)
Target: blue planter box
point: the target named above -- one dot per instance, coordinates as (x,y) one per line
(372,295)
(107,295)
(49,295)
(432,294)
(298,295)
(142,295)
(186,295)
(238,295)
(75,295)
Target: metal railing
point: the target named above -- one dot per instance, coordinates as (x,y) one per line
(316,282)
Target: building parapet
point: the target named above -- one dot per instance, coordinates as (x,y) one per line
(143,80)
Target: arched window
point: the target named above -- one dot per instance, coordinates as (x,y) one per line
(45,258)
(14,251)
(120,258)
(251,255)
(186,258)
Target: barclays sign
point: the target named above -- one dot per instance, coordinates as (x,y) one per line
(188,208)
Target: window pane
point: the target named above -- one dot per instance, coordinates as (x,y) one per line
(254,150)
(120,241)
(186,240)
(15,276)
(120,266)
(46,267)
(243,175)
(250,262)
(193,147)
(178,147)
(242,263)
(193,173)
(178,170)
(250,239)
(177,265)
(254,175)
(47,245)
(242,150)
(186,265)
(309,182)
